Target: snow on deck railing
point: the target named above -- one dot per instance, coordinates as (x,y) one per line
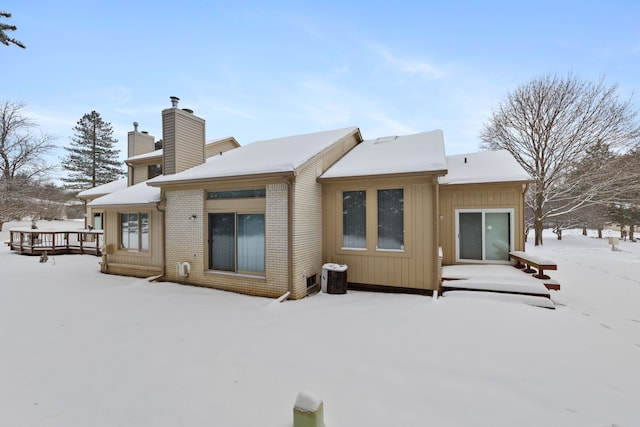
(36,241)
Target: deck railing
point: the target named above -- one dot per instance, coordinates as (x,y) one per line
(56,242)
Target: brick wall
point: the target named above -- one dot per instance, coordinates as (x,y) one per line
(277,238)
(184,234)
(307,228)
(187,241)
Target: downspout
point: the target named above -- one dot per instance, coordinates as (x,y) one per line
(436,230)
(523,219)
(290,182)
(84,207)
(164,241)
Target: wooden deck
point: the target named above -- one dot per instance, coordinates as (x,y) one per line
(493,278)
(502,281)
(55,242)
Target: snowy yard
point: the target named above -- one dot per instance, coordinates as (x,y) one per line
(79,348)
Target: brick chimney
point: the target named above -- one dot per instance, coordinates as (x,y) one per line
(183,138)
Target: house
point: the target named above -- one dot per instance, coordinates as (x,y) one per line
(263,218)
(133,217)
(380,209)
(482,207)
(250,220)
(95,220)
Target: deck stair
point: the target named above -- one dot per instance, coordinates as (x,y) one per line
(495,279)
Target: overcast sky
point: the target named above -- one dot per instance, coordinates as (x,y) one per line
(259,70)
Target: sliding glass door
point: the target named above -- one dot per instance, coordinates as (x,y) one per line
(484,235)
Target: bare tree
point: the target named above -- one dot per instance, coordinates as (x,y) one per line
(22,147)
(4,38)
(553,126)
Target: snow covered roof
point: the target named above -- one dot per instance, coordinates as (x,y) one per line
(139,194)
(261,157)
(484,167)
(103,189)
(144,156)
(420,152)
(158,153)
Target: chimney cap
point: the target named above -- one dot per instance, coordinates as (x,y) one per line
(135,126)
(174,101)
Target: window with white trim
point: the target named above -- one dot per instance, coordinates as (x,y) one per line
(134,231)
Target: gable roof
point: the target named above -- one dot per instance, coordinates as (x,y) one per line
(484,167)
(273,156)
(103,189)
(408,154)
(139,194)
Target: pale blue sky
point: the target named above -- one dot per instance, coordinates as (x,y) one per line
(258,70)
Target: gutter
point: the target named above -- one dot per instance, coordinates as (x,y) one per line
(421,174)
(230,178)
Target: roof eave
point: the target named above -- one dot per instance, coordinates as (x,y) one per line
(433,173)
(517,181)
(281,174)
(124,205)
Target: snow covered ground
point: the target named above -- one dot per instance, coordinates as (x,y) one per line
(79,348)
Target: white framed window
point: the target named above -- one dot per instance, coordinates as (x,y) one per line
(97,221)
(484,235)
(134,231)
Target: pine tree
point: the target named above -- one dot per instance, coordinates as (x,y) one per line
(4,37)
(92,158)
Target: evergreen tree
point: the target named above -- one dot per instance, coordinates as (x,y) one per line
(4,38)
(92,158)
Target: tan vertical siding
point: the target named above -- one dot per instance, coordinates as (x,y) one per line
(131,144)
(478,196)
(189,141)
(132,263)
(218,147)
(139,143)
(169,142)
(139,173)
(183,136)
(412,268)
